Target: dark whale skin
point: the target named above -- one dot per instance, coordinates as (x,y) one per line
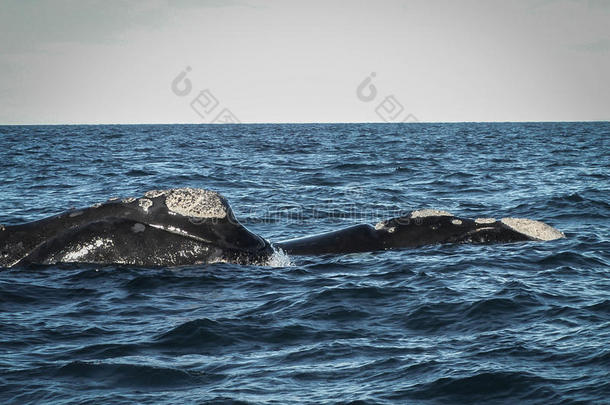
(142,232)
(190,226)
(414,230)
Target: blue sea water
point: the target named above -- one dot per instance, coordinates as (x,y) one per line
(515,323)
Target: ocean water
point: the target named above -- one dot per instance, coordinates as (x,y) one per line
(515,323)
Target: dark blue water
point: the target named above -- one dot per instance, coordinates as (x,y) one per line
(526,322)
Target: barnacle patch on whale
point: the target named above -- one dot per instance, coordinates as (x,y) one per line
(430,213)
(196,203)
(145,204)
(155,193)
(534,229)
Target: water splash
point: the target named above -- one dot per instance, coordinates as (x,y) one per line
(279,258)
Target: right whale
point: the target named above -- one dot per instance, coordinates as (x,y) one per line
(419,228)
(190,226)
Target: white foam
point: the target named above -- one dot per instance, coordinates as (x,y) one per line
(279,258)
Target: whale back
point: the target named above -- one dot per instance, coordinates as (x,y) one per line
(419,228)
(175,217)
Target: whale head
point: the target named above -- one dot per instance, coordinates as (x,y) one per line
(205,216)
(163,227)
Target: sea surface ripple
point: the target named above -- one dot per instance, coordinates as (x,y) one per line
(524,322)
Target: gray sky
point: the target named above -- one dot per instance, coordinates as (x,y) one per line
(114,61)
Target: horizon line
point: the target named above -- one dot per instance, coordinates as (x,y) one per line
(299,123)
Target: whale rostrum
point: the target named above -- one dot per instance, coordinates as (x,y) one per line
(189,226)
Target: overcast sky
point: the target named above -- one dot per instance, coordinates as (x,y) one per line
(112,61)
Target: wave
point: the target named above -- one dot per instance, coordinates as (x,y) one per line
(205,335)
(453,324)
(484,387)
(134,375)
